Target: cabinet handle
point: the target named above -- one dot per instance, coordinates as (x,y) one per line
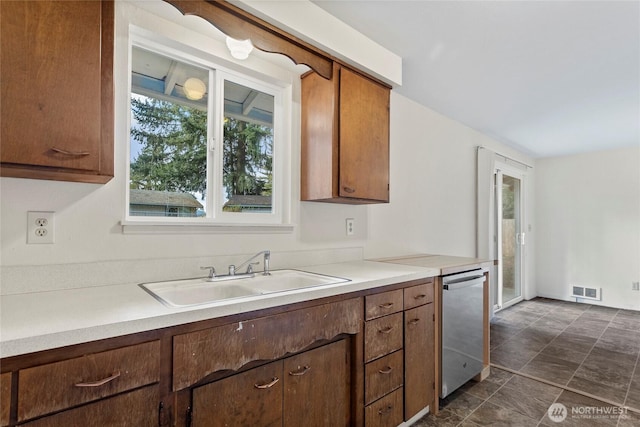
(413,321)
(385,411)
(420,296)
(300,371)
(267,385)
(386,305)
(386,370)
(386,330)
(349,189)
(70,153)
(99,382)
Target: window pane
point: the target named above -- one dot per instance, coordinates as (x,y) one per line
(248,149)
(168,164)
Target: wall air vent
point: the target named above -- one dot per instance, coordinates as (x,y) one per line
(588,293)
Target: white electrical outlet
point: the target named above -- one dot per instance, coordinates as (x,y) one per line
(40,227)
(350,226)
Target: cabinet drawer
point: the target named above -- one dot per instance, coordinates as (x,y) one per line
(137,408)
(382,304)
(386,412)
(60,385)
(418,295)
(382,376)
(198,354)
(382,336)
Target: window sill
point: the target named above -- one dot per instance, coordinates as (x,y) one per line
(135,227)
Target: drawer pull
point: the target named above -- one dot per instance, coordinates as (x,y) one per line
(300,371)
(267,385)
(99,382)
(386,370)
(413,321)
(386,330)
(349,189)
(70,153)
(386,305)
(420,296)
(385,411)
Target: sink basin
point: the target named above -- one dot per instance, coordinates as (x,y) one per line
(287,280)
(190,292)
(186,293)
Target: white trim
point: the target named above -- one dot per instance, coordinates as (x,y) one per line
(133,227)
(263,76)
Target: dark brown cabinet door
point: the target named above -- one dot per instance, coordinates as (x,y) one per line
(57,89)
(317,387)
(251,398)
(345,139)
(419,359)
(364,138)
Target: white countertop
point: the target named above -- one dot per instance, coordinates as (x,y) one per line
(44,320)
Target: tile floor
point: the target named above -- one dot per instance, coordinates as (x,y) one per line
(583,356)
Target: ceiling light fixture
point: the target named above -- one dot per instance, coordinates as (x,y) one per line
(240,49)
(194,89)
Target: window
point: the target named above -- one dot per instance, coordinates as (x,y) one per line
(205,142)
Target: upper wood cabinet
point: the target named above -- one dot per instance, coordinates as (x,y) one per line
(57,90)
(345,138)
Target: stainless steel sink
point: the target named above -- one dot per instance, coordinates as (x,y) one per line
(190,292)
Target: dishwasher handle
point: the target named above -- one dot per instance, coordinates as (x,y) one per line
(453,286)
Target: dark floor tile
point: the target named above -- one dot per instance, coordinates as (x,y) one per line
(633,395)
(540,336)
(551,369)
(527,340)
(482,389)
(445,418)
(528,397)
(588,328)
(574,342)
(521,317)
(625,322)
(489,414)
(597,388)
(604,357)
(564,352)
(611,375)
(461,403)
(620,340)
(498,376)
(582,412)
(629,419)
(467,423)
(512,358)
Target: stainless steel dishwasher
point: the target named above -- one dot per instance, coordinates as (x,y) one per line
(462,328)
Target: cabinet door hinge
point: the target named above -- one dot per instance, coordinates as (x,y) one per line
(160,408)
(189,416)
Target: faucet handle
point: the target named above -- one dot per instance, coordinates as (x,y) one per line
(250,266)
(212,271)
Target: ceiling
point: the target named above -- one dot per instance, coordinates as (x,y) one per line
(548,78)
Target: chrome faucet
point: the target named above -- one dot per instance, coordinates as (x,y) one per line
(250,264)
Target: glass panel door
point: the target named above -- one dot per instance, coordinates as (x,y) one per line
(509,237)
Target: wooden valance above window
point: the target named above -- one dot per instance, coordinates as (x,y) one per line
(241,25)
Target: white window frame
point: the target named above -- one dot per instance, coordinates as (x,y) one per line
(282,93)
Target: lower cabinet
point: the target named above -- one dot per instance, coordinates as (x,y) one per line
(367,359)
(419,363)
(309,389)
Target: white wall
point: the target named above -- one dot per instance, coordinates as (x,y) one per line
(588,215)
(433,188)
